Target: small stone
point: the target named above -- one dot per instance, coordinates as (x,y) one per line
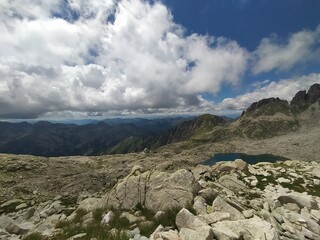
(107,218)
(248,213)
(80,235)
(254,183)
(21,206)
(283,180)
(316,181)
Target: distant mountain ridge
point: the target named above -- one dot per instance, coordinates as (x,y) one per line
(186,130)
(56,139)
(263,119)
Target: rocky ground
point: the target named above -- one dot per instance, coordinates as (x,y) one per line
(230,200)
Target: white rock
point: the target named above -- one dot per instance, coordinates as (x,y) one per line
(316,181)
(80,235)
(107,218)
(283,180)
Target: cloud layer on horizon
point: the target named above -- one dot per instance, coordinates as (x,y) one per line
(122,57)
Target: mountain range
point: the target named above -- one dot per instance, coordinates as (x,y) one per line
(60,139)
(263,119)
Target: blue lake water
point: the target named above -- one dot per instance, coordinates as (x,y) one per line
(251,159)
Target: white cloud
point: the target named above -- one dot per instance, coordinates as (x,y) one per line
(284,89)
(301,47)
(102,56)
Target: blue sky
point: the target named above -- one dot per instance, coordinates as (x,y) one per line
(105,58)
(247,22)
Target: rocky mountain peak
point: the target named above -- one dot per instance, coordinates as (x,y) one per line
(306,98)
(313,93)
(267,107)
(299,98)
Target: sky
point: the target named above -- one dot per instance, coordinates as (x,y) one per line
(104,58)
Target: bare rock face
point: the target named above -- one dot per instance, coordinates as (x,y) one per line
(154,190)
(313,93)
(303,98)
(299,99)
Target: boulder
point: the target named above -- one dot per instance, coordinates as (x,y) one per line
(241,165)
(203,233)
(300,199)
(90,204)
(253,228)
(220,205)
(199,205)
(51,209)
(221,232)
(154,190)
(208,194)
(19,229)
(161,234)
(186,219)
(232,182)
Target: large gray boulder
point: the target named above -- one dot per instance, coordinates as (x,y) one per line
(220,205)
(300,199)
(154,190)
(253,228)
(192,227)
(186,219)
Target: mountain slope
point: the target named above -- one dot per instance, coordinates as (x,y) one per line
(191,129)
(267,118)
(263,119)
(48,139)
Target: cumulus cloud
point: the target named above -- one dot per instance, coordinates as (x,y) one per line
(102,56)
(300,47)
(284,89)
